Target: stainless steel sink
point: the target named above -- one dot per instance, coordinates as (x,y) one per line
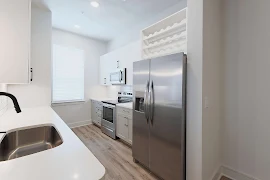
(24,142)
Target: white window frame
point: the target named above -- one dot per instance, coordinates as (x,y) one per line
(66,102)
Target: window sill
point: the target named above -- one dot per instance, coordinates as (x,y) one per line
(67,103)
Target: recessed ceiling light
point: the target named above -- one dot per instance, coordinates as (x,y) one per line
(77,26)
(95,4)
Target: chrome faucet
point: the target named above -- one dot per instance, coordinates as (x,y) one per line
(14,99)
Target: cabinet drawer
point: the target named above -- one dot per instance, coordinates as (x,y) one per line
(97,103)
(99,122)
(99,116)
(98,109)
(124,111)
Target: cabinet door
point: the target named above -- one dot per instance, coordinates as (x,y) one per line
(105,69)
(130,130)
(102,70)
(117,61)
(114,61)
(15,19)
(122,127)
(127,55)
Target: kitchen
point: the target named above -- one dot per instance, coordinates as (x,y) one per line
(121,89)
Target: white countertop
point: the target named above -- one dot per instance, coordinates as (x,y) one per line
(69,161)
(101,98)
(126,105)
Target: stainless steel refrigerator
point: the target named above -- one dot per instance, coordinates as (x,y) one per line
(159,115)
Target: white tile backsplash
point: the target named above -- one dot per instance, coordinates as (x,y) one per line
(112,91)
(3,100)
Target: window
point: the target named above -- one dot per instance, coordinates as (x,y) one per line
(68,74)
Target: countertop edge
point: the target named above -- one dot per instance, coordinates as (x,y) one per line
(34,117)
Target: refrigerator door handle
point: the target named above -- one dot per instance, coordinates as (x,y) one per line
(151,102)
(146,102)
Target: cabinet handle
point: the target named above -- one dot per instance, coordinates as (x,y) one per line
(118,64)
(126,125)
(31,74)
(105,81)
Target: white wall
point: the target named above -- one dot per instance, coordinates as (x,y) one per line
(112,91)
(211,88)
(194,89)
(246,127)
(133,33)
(3,99)
(80,113)
(38,93)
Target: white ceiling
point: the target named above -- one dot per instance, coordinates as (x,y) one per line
(106,22)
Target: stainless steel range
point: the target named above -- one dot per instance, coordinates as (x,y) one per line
(108,121)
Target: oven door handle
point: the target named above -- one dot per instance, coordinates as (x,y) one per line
(109,106)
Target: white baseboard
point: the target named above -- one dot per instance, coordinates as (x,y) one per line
(78,124)
(218,173)
(232,174)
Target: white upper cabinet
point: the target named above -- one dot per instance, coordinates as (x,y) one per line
(129,54)
(119,59)
(103,73)
(15,33)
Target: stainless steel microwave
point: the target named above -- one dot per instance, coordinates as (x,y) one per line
(118,76)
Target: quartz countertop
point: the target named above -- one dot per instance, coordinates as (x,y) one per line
(69,161)
(102,98)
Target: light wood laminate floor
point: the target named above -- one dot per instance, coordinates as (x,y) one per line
(115,156)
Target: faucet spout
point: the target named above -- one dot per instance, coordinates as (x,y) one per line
(14,99)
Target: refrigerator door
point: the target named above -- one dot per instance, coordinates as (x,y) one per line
(140,143)
(167,116)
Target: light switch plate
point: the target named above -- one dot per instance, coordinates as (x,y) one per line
(206,102)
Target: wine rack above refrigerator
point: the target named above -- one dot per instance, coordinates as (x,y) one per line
(168,36)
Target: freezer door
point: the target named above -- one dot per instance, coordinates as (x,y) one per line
(167,117)
(140,143)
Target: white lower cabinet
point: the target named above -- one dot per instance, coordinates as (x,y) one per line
(124,124)
(96,112)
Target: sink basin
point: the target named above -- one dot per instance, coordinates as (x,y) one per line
(25,142)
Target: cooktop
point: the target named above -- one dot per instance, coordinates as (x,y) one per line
(123,97)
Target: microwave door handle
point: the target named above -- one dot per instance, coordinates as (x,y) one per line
(120,76)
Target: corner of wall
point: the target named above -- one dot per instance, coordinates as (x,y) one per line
(231,173)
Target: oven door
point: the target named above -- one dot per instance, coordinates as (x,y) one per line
(108,117)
